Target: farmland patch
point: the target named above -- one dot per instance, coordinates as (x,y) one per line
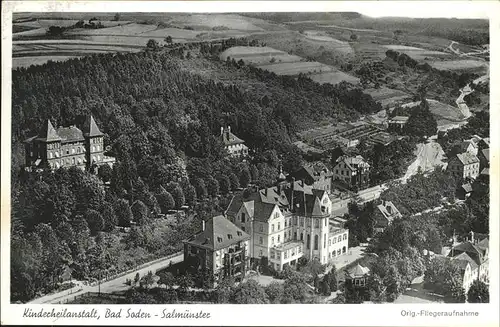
(334,78)
(464,64)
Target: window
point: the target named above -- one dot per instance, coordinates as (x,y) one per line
(339,252)
(72,150)
(285,223)
(295,235)
(260,253)
(308,241)
(272,228)
(73,161)
(301,222)
(286,254)
(278,238)
(329,242)
(316,223)
(295,221)
(243,228)
(67,151)
(334,240)
(50,155)
(229,236)
(345,237)
(261,240)
(309,222)
(316,241)
(242,217)
(340,238)
(272,240)
(334,254)
(261,227)
(326,220)
(93,148)
(324,241)
(279,227)
(272,254)
(302,236)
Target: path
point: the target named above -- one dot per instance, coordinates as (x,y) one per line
(429,156)
(114,285)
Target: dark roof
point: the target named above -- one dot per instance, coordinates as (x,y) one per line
(219,233)
(358,271)
(462,260)
(316,169)
(263,211)
(485,171)
(229,138)
(464,146)
(472,250)
(90,128)
(70,134)
(486,154)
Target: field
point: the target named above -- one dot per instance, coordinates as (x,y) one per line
(387,96)
(463,64)
(282,63)
(418,53)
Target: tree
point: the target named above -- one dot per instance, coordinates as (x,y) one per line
(168,39)
(109,216)
(95,221)
(123,212)
(295,289)
(137,278)
(165,200)
(201,189)
(167,279)
(353,37)
(222,292)
(105,172)
(212,187)
(225,184)
(139,212)
(421,121)
(178,196)
(249,292)
(331,278)
(245,177)
(152,44)
(190,194)
(116,17)
(234,181)
(478,292)
(274,292)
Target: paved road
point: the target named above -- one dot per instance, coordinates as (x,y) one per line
(114,285)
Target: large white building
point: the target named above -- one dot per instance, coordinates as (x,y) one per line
(234,145)
(289,221)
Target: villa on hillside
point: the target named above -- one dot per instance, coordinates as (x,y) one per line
(464,165)
(315,174)
(354,172)
(234,145)
(385,215)
(67,147)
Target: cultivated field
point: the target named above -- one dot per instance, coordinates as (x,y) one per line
(418,53)
(387,96)
(282,63)
(463,64)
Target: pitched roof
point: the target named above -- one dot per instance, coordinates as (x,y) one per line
(484,244)
(467,158)
(316,169)
(263,211)
(358,271)
(465,145)
(229,138)
(462,260)
(486,154)
(219,233)
(90,127)
(48,133)
(355,162)
(472,250)
(485,171)
(70,134)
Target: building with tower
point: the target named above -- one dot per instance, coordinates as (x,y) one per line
(234,145)
(67,147)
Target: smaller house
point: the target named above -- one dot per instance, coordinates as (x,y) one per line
(466,146)
(352,171)
(233,144)
(357,276)
(220,248)
(464,165)
(398,122)
(385,215)
(316,174)
(464,191)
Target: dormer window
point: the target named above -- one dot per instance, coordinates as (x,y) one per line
(229,236)
(239,233)
(219,239)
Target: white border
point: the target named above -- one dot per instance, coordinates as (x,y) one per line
(293,315)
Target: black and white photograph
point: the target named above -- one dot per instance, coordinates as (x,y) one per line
(253,157)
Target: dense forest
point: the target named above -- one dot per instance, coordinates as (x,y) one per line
(161,121)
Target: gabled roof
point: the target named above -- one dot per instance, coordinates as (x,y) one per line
(466,145)
(219,233)
(472,251)
(485,153)
(48,133)
(228,138)
(315,170)
(70,134)
(263,211)
(354,163)
(484,244)
(462,260)
(467,158)
(90,128)
(358,271)
(485,171)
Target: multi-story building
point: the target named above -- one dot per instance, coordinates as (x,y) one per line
(66,147)
(385,215)
(354,172)
(315,174)
(288,221)
(398,122)
(221,248)
(234,145)
(464,165)
(472,257)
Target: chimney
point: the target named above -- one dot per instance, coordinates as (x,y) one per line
(229,129)
(291,200)
(221,131)
(203,225)
(472,237)
(265,191)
